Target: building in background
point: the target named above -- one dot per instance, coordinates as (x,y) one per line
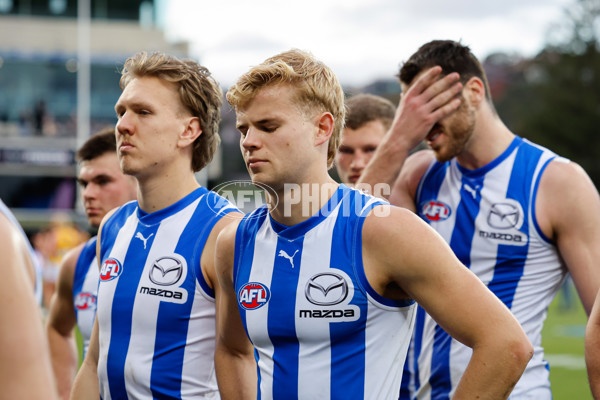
(38,93)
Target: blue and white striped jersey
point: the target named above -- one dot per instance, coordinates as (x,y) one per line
(488,218)
(34,259)
(156,312)
(85,291)
(318,328)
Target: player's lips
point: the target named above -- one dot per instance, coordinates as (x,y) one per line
(433,134)
(125,146)
(90,211)
(254,162)
(353,178)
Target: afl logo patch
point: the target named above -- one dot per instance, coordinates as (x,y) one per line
(253,295)
(111,269)
(85,301)
(435,210)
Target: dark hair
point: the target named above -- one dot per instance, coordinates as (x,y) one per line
(451,56)
(102,142)
(198,91)
(364,108)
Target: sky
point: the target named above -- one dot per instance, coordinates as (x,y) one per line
(361,40)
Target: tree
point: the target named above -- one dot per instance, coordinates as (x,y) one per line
(554,99)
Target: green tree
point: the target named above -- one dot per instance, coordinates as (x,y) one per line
(554,99)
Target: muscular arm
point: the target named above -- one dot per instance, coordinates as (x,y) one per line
(592,349)
(60,324)
(428,100)
(25,371)
(414,259)
(568,212)
(234,359)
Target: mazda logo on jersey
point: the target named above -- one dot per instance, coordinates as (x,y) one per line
(253,295)
(111,269)
(326,289)
(434,210)
(85,301)
(166,271)
(505,215)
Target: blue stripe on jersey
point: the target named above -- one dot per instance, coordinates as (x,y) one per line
(510,260)
(283,320)
(417,343)
(244,245)
(87,254)
(534,196)
(428,190)
(460,241)
(165,378)
(117,219)
(124,299)
(434,180)
(341,347)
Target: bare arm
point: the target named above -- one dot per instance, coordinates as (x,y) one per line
(568,212)
(60,324)
(416,260)
(25,370)
(428,100)
(592,349)
(86,385)
(234,359)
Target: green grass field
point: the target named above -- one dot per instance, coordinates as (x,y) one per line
(563,340)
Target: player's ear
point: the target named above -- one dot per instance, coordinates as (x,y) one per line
(325,124)
(190,132)
(474,91)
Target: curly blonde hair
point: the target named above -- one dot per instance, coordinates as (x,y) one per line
(198,91)
(317,88)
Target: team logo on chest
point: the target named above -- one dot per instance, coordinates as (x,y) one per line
(504,220)
(85,301)
(166,271)
(111,269)
(328,295)
(253,295)
(434,210)
(326,289)
(165,278)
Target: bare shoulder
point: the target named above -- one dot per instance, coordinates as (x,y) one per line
(226,238)
(399,248)
(208,253)
(399,224)
(564,193)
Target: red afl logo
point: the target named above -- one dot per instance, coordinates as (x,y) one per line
(253,295)
(435,210)
(110,270)
(85,301)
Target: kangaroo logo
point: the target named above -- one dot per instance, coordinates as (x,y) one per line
(142,238)
(283,254)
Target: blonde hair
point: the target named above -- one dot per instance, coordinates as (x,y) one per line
(198,91)
(317,88)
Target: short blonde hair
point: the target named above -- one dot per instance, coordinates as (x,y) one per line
(198,91)
(317,88)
